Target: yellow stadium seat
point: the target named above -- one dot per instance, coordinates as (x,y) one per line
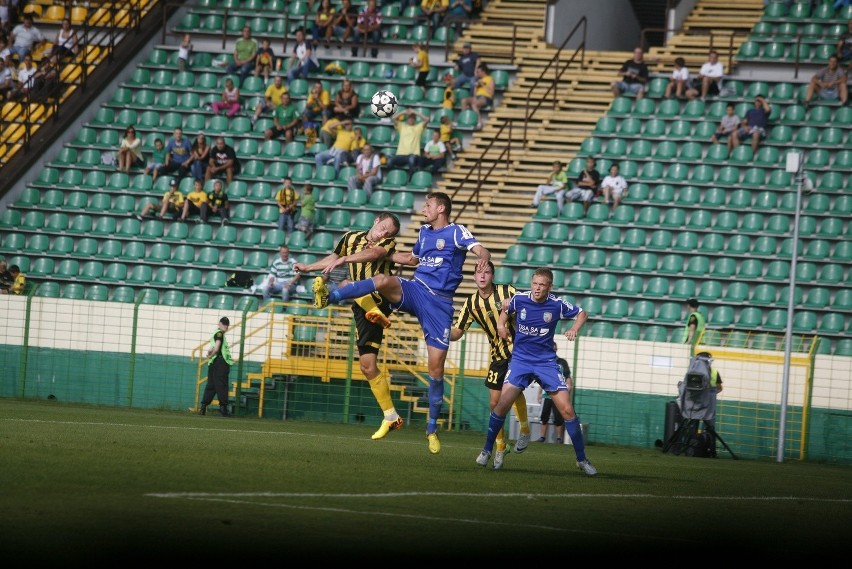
(54,14)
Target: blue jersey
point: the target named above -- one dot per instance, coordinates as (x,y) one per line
(441,254)
(535,326)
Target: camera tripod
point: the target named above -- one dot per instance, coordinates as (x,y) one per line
(684,431)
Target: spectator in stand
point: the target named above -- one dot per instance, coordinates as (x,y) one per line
(178,155)
(194,201)
(66,43)
(283,277)
(729,123)
(200,157)
(369,27)
(844,46)
(271,98)
(556,182)
(129,151)
(264,61)
(308,211)
(339,152)
(158,159)
(7,79)
(25,78)
(185,50)
(230,100)
(679,81)
(420,61)
(483,95)
(285,120)
(466,65)
(25,37)
(434,154)
(323,25)
(587,185)
(432,11)
(829,83)
(709,79)
(410,134)
(346,102)
(172,202)
(223,160)
(450,137)
(288,202)
(245,51)
(328,131)
(368,171)
(754,125)
(302,61)
(317,105)
(634,76)
(614,187)
(459,11)
(19,281)
(216,204)
(344,22)
(6,279)
(357,146)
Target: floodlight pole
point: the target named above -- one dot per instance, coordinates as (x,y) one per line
(795,164)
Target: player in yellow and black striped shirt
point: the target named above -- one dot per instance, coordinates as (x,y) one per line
(368,253)
(484,307)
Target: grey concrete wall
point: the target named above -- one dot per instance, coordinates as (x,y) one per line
(611,24)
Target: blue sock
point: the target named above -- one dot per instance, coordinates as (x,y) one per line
(355,289)
(436,401)
(495,423)
(572,428)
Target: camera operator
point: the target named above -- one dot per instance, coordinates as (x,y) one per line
(715,389)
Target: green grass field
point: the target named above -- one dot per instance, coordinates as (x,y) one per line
(104,484)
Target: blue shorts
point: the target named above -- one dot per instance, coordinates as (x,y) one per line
(630,87)
(548,375)
(434,313)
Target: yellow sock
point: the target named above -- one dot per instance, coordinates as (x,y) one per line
(367,302)
(520,406)
(500,441)
(380,386)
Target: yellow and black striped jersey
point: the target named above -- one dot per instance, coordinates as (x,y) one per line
(355,241)
(486,311)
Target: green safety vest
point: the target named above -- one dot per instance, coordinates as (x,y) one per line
(225,351)
(714,377)
(701,322)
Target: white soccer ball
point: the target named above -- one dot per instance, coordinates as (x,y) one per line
(384,104)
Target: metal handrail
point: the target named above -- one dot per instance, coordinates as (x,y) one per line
(529,114)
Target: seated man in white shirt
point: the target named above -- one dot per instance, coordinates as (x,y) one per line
(368,171)
(614,187)
(709,79)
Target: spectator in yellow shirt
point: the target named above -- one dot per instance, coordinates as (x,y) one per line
(339,152)
(172,202)
(194,199)
(408,149)
(483,95)
(420,61)
(271,98)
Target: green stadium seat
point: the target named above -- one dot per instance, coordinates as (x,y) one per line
(832,323)
(654,128)
(628,332)
(803,321)
(669,312)
(140,274)
(531,232)
(172,297)
(606,125)
(763,294)
(646,262)
(674,218)
(736,292)
(601,329)
(655,333)
(159,252)
(579,281)
(689,152)
(504,275)
(722,316)
(750,317)
(631,285)
(683,289)
(686,241)
(657,287)
(843,347)
(660,239)
(516,254)
(736,339)
(748,50)
(712,243)
(200,299)
(593,259)
(567,257)
(634,238)
(764,342)
(540,255)
(724,267)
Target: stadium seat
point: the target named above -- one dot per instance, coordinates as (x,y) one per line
(763,294)
(683,289)
(601,329)
(699,219)
(749,317)
(722,316)
(655,333)
(669,312)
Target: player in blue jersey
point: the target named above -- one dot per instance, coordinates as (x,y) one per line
(537,314)
(439,254)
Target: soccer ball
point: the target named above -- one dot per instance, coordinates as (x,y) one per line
(383,104)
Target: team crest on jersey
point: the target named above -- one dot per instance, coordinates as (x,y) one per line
(548,316)
(523,313)
(439,244)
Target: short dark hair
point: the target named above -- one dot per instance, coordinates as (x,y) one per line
(224,320)
(442,199)
(544,272)
(692,303)
(14,269)
(680,61)
(394,219)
